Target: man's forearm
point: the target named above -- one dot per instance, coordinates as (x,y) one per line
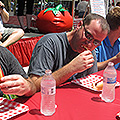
(79,64)
(4,15)
(103,65)
(61,75)
(32,88)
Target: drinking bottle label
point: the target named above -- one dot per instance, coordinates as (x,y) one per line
(111,80)
(48,91)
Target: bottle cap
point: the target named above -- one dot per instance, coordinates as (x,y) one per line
(110,64)
(48,71)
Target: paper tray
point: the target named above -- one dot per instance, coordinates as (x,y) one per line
(10,109)
(88,80)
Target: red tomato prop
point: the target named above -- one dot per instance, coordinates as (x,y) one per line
(54,20)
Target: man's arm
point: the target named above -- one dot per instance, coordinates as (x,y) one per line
(79,64)
(32,87)
(115,60)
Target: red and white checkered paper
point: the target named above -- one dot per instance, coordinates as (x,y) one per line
(9,108)
(88,80)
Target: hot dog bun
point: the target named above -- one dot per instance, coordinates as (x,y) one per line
(97,85)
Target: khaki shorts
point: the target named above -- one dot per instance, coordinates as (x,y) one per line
(6,34)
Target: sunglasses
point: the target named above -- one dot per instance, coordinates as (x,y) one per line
(89,36)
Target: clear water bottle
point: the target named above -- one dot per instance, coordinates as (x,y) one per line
(48,90)
(109,81)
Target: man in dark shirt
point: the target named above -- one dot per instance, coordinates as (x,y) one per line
(69,54)
(16,81)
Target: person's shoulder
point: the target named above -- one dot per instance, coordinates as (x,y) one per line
(50,38)
(53,36)
(3,48)
(5,52)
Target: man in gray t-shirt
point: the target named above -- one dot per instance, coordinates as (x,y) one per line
(13,79)
(56,55)
(68,55)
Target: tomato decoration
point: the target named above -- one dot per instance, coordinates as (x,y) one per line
(53,20)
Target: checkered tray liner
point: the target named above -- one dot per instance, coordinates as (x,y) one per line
(88,80)
(9,108)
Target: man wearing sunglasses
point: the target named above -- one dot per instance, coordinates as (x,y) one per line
(110,47)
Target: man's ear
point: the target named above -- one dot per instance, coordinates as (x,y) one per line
(79,24)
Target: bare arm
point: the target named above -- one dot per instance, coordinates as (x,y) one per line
(14,37)
(115,60)
(32,88)
(79,64)
(4,14)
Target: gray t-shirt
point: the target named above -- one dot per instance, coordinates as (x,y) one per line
(53,51)
(9,64)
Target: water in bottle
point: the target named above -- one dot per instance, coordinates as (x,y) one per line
(109,81)
(48,90)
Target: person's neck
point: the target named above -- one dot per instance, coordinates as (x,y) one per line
(70,35)
(113,36)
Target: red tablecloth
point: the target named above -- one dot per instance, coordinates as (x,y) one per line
(23,49)
(74,103)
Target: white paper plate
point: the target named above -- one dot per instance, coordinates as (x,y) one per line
(88,80)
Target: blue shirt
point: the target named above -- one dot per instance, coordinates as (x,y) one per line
(106,51)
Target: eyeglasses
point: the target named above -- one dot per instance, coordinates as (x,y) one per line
(89,36)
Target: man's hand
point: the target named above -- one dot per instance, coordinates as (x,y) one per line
(103,65)
(15,84)
(82,62)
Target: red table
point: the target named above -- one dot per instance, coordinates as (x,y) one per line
(74,103)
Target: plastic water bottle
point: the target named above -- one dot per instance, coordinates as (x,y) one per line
(109,81)
(48,90)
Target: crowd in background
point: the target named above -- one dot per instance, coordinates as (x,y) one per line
(38,5)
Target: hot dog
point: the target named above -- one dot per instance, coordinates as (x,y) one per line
(97,85)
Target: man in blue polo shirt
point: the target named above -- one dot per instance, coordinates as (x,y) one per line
(110,46)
